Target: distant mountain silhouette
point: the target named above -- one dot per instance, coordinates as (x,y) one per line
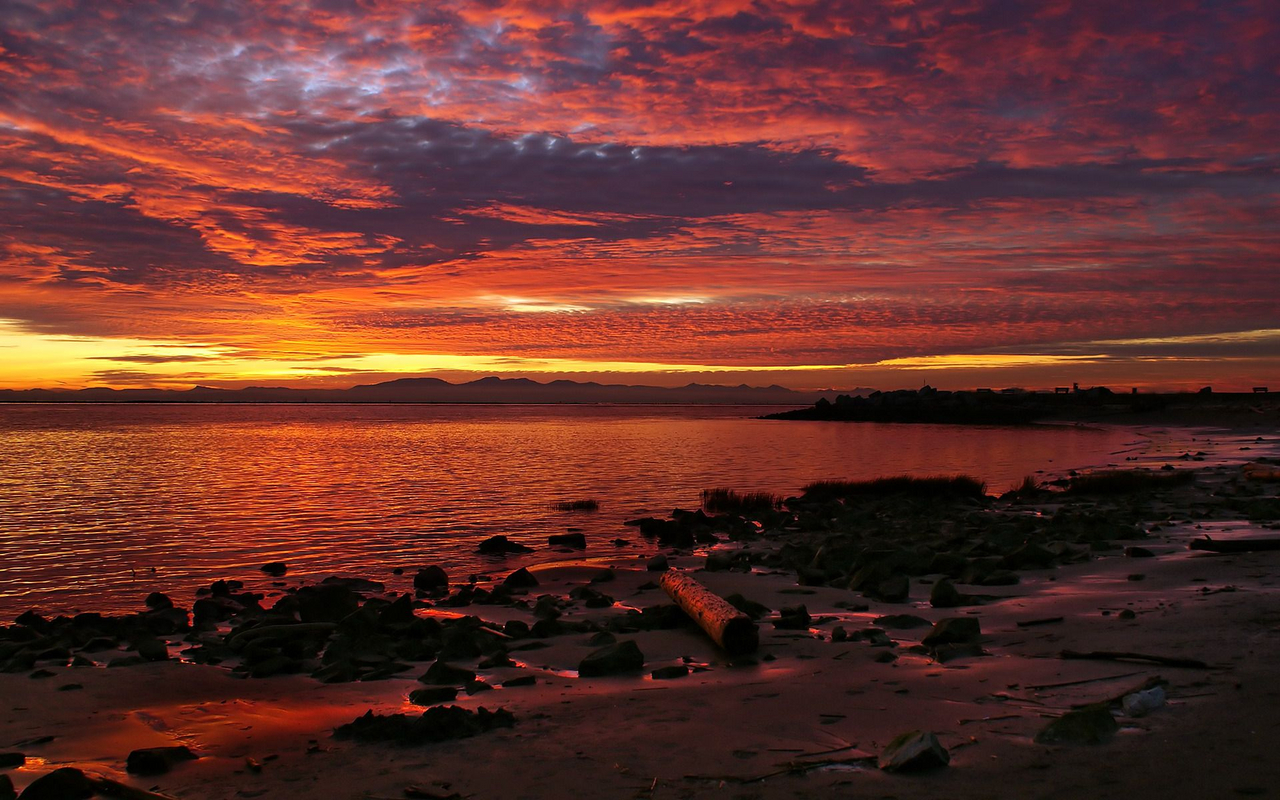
(434,390)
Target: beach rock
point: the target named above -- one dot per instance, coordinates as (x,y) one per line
(718,562)
(625,656)
(749,607)
(275,569)
(157,760)
(442,673)
(657,564)
(1133,551)
(67,783)
(430,579)
(436,724)
(1141,703)
(433,695)
(158,600)
(501,545)
(901,622)
(953,630)
(793,618)
(520,579)
(591,598)
(950,652)
(668,673)
(516,628)
(355,584)
(477,686)
(520,680)
(604,575)
(839,634)
(945,595)
(7,792)
(1089,725)
(325,603)
(9,760)
(1127,613)
(895,589)
(153,650)
(914,751)
(575,540)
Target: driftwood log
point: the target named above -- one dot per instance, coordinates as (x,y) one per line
(1235,545)
(726,625)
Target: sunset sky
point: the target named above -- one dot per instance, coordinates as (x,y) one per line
(813,194)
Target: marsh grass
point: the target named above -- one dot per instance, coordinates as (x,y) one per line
(720,500)
(932,486)
(1121,481)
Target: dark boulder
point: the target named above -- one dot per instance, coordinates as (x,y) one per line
(443,673)
(67,783)
(1089,725)
(575,540)
(914,751)
(157,760)
(953,630)
(625,656)
(945,595)
(326,602)
(501,545)
(436,724)
(158,600)
(520,579)
(430,579)
(433,695)
(793,618)
(275,569)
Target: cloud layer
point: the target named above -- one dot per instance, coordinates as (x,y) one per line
(742,184)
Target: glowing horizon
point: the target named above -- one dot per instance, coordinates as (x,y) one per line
(817,195)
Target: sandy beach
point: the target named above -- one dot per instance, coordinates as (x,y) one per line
(805,716)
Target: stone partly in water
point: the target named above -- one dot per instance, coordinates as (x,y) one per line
(667,673)
(1089,725)
(501,545)
(657,564)
(625,656)
(520,579)
(156,760)
(575,540)
(914,751)
(436,724)
(9,760)
(275,569)
(431,578)
(67,783)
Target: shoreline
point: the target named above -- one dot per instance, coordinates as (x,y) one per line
(799,719)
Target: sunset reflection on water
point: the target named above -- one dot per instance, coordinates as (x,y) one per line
(94,498)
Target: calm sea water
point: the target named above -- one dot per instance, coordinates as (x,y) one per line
(94,498)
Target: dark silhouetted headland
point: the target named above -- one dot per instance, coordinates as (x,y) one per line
(1015,406)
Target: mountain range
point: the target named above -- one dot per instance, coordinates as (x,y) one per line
(435,390)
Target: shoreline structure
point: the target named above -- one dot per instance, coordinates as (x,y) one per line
(881,612)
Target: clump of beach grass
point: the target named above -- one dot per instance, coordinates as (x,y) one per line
(721,500)
(576,505)
(1123,481)
(931,486)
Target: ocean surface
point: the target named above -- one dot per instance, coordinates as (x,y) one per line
(100,504)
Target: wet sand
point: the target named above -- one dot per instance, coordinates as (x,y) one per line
(801,719)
